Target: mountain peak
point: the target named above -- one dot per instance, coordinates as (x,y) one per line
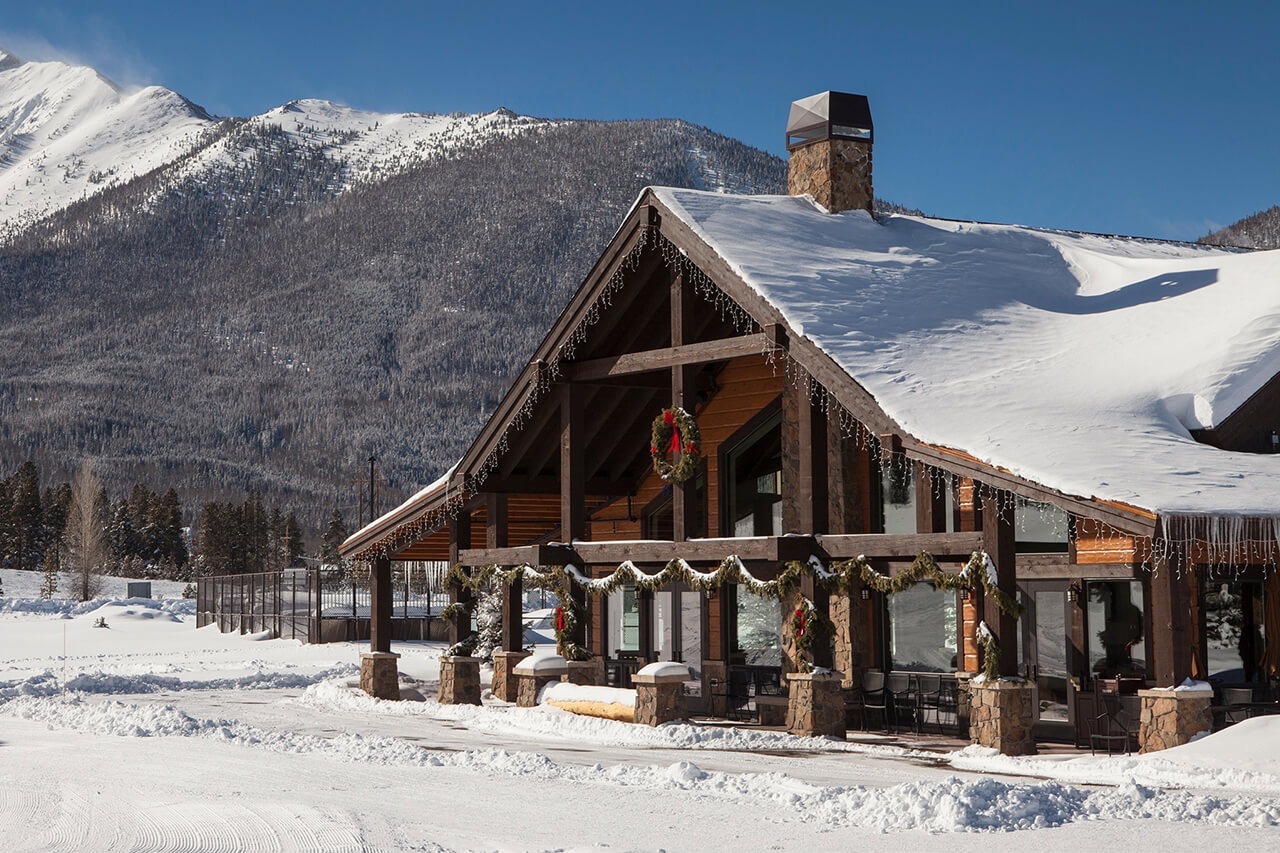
(9,60)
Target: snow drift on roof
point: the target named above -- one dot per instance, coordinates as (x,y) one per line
(1076,361)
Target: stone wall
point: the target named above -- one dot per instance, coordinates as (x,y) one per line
(1001,716)
(1171,718)
(459,681)
(658,701)
(587,672)
(836,172)
(816,705)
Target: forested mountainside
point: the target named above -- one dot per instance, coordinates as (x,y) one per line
(261,304)
(247,326)
(1259,231)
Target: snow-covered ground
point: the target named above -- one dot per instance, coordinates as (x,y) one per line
(150,734)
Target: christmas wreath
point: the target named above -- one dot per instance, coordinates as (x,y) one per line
(676,445)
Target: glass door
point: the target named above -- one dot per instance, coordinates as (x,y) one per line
(1043,640)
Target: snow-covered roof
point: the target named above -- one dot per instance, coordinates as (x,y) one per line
(1076,361)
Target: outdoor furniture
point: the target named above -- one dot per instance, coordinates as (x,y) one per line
(1237,705)
(873,698)
(1115,727)
(929,700)
(902,700)
(741,689)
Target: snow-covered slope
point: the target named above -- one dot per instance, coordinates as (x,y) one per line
(67,132)
(1078,361)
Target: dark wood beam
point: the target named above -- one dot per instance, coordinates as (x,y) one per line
(998,542)
(684,507)
(520,485)
(668,357)
(459,540)
(573,496)
(931,502)
(380,605)
(947,547)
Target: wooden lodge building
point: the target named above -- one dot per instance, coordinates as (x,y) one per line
(1094,417)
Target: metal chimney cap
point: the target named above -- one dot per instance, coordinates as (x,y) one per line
(829,115)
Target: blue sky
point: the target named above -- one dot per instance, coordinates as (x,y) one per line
(1155,119)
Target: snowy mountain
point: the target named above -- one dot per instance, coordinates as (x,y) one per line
(219,304)
(1259,231)
(67,132)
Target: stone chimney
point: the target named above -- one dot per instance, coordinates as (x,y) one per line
(829,136)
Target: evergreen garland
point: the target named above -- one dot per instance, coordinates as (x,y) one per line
(979,573)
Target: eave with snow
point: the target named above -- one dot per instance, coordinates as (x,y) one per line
(1126,384)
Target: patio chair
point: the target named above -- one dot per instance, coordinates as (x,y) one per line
(902,699)
(1236,702)
(929,700)
(1115,726)
(873,698)
(740,706)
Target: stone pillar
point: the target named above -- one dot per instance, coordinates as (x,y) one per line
(714,695)
(1001,716)
(459,680)
(379,676)
(815,706)
(1173,717)
(505,686)
(587,672)
(660,693)
(535,672)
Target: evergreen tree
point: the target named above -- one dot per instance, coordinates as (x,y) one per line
(8,530)
(293,543)
(49,586)
(170,540)
(27,518)
(334,535)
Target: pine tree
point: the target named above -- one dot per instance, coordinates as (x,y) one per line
(49,586)
(27,518)
(488,611)
(334,535)
(293,542)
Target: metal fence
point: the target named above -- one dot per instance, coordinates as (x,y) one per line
(318,605)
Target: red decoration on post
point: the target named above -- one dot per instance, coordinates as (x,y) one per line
(675,445)
(800,622)
(559,618)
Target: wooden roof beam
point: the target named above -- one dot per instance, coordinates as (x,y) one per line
(668,357)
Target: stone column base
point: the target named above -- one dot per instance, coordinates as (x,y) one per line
(505,686)
(1173,717)
(1001,716)
(379,676)
(659,698)
(459,680)
(815,704)
(587,672)
(535,672)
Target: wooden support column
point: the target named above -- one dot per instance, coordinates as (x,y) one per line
(805,463)
(381,603)
(1170,610)
(644,598)
(495,536)
(684,496)
(998,542)
(459,539)
(573,510)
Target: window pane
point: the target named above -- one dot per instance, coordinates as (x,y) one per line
(1115,620)
(759,629)
(1234,624)
(922,629)
(754,468)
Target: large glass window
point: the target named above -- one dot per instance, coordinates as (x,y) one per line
(754,477)
(922,629)
(677,626)
(1040,528)
(1115,616)
(759,639)
(898,495)
(657,521)
(624,620)
(1234,627)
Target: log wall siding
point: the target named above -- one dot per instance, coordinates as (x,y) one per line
(747,385)
(1099,543)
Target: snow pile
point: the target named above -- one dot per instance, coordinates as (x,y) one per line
(1023,346)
